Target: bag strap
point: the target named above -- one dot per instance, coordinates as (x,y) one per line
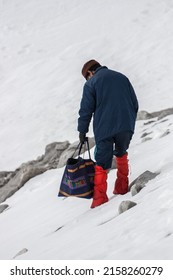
(80,146)
(86,143)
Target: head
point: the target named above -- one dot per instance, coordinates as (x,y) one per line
(89,68)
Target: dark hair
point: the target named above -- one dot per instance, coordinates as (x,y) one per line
(90,65)
(94,67)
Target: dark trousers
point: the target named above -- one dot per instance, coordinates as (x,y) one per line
(116,145)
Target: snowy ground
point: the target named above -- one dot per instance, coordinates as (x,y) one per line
(43,46)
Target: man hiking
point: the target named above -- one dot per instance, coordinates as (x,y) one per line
(109,98)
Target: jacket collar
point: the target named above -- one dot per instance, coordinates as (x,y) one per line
(97,70)
(100,68)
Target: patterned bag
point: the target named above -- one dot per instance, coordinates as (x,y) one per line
(78,177)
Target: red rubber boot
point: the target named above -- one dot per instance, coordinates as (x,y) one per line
(122,181)
(100,187)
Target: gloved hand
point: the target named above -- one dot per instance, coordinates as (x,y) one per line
(82,137)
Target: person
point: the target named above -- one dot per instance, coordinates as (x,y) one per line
(110,99)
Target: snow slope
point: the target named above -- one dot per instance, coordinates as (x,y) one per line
(43,46)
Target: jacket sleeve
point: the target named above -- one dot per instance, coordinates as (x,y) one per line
(87,108)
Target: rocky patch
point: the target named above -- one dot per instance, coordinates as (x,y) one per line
(3,207)
(126,205)
(140,182)
(144,115)
(56,155)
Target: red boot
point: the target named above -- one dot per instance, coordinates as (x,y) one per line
(122,181)
(100,187)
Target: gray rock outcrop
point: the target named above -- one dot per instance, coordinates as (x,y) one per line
(126,205)
(144,115)
(5,176)
(139,183)
(55,156)
(3,207)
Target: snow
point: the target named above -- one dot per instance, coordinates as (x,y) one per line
(43,47)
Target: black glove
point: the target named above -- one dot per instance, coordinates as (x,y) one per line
(82,137)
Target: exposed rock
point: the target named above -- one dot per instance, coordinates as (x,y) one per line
(126,205)
(164,113)
(3,207)
(5,176)
(55,156)
(144,115)
(146,139)
(139,183)
(165,133)
(135,189)
(33,168)
(53,152)
(164,120)
(23,251)
(145,134)
(149,122)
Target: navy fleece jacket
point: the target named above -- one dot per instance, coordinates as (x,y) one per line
(110,98)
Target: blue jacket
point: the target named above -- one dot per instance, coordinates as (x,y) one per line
(109,97)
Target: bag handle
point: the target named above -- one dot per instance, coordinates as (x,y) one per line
(76,149)
(79,147)
(86,143)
